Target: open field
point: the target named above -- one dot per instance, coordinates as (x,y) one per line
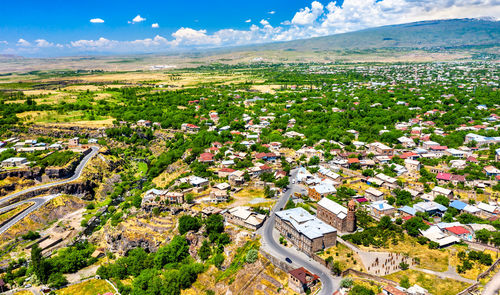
(433,259)
(90,287)
(344,255)
(433,284)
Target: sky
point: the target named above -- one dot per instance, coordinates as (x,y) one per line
(63,28)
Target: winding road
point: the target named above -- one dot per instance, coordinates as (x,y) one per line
(76,175)
(269,244)
(39,201)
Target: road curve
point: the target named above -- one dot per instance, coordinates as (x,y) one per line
(269,244)
(38,203)
(76,175)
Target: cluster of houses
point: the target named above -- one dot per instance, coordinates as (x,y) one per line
(32,145)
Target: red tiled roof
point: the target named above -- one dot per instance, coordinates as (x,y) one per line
(303,275)
(438,147)
(458,230)
(443,176)
(226,170)
(206,157)
(352,160)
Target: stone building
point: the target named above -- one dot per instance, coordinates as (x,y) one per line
(336,215)
(305,231)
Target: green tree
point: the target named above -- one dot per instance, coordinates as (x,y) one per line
(204,251)
(440,199)
(187,223)
(404,282)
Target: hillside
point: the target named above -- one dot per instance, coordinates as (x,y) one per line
(427,34)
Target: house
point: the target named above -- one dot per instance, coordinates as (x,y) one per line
(437,190)
(488,210)
(431,208)
(322,189)
(236,178)
(393,290)
(459,232)
(428,144)
(381,208)
(155,197)
(436,235)
(374,194)
(336,215)
(308,233)
(444,178)
(380,149)
(74,141)
(389,182)
(218,195)
(407,211)
(481,140)
(144,123)
(412,165)
(14,162)
(491,171)
(244,216)
(189,127)
(225,172)
(198,181)
(300,280)
(206,158)
(406,142)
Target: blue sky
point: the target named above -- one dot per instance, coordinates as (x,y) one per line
(55,27)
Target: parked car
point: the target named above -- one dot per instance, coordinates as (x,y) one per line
(288,260)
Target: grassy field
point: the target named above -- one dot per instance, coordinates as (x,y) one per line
(433,284)
(90,287)
(476,269)
(346,257)
(24,292)
(433,259)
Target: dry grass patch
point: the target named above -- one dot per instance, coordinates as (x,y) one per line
(90,287)
(433,259)
(435,285)
(344,255)
(9,214)
(477,268)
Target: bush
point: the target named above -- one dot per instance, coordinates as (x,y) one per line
(187,223)
(31,236)
(252,256)
(346,283)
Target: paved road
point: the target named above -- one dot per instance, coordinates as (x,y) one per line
(76,175)
(493,286)
(38,203)
(270,244)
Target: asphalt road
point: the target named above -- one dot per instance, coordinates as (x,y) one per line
(271,245)
(38,203)
(76,175)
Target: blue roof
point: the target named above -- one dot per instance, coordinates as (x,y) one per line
(408,209)
(459,205)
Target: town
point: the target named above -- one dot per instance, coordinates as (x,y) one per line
(312,179)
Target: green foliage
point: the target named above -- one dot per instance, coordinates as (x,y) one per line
(187,223)
(31,235)
(360,290)
(413,225)
(404,282)
(252,256)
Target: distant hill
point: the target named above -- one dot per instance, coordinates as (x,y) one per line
(425,34)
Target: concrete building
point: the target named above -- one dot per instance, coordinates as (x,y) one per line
(300,280)
(336,215)
(14,162)
(305,231)
(244,216)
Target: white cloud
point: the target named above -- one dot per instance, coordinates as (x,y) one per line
(137,19)
(4,43)
(308,16)
(248,21)
(43,43)
(23,43)
(318,19)
(272,12)
(97,21)
(155,26)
